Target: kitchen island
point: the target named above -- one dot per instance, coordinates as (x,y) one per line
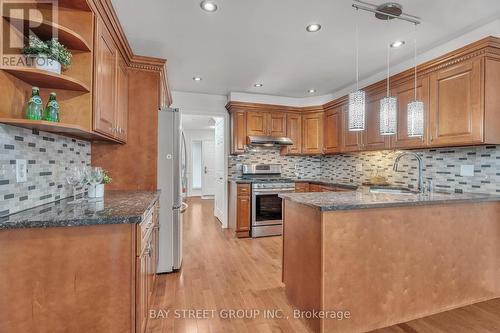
(381,259)
(79,266)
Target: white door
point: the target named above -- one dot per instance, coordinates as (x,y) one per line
(220,167)
(208,171)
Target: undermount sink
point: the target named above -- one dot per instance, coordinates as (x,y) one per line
(392,190)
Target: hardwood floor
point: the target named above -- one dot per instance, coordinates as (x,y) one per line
(222,273)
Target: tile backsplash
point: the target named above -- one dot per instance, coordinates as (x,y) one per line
(48,157)
(441,165)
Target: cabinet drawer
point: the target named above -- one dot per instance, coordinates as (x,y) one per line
(301,187)
(243,189)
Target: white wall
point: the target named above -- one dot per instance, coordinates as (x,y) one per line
(466,37)
(195,135)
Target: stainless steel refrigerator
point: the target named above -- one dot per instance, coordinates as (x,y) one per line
(171,181)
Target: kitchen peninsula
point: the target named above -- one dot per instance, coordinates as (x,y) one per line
(388,258)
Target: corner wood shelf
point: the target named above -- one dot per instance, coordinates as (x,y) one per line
(45,79)
(74,131)
(44,30)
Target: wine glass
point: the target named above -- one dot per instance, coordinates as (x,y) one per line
(75,177)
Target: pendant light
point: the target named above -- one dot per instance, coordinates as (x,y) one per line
(357,100)
(388,105)
(415,109)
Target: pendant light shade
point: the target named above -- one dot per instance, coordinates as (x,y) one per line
(388,115)
(356,113)
(415,109)
(415,119)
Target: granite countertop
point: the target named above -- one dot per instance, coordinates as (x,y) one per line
(362,198)
(117,207)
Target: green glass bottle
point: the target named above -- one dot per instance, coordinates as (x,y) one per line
(51,112)
(34,108)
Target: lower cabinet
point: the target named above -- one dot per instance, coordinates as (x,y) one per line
(240,203)
(146,264)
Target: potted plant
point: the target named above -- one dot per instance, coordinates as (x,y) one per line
(50,55)
(97,190)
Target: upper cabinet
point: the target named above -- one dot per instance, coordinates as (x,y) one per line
(294,132)
(238,132)
(106,62)
(405,93)
(332,128)
(456,109)
(373,139)
(312,133)
(122,100)
(260,123)
(350,141)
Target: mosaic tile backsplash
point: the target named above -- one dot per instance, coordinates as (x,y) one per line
(441,165)
(48,157)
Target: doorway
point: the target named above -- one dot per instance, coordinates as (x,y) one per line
(206,160)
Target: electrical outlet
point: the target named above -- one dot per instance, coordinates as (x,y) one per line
(359,167)
(21,171)
(467,170)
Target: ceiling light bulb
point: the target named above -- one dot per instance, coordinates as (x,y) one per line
(197,78)
(208,6)
(397,43)
(257,85)
(314,27)
(311,91)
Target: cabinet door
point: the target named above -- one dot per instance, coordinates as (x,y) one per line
(238,132)
(257,123)
(122,101)
(142,292)
(301,187)
(456,110)
(351,141)
(312,133)
(373,139)
(405,93)
(243,212)
(277,124)
(332,130)
(105,81)
(294,132)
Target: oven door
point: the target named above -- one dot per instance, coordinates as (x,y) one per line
(267,207)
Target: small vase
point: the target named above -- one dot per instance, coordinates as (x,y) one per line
(96,191)
(47,64)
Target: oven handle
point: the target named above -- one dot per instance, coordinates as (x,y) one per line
(271,191)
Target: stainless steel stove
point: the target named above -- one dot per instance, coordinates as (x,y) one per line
(267,184)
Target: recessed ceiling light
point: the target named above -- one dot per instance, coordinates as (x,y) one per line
(314,27)
(197,78)
(311,91)
(257,85)
(208,6)
(397,43)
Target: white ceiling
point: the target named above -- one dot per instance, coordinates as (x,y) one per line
(249,41)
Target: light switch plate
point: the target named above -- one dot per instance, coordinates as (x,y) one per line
(359,167)
(21,171)
(467,170)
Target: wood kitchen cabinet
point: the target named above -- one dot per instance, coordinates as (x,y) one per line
(312,133)
(301,187)
(294,132)
(350,141)
(240,202)
(405,93)
(261,123)
(122,101)
(332,130)
(106,58)
(315,188)
(456,108)
(238,132)
(373,140)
